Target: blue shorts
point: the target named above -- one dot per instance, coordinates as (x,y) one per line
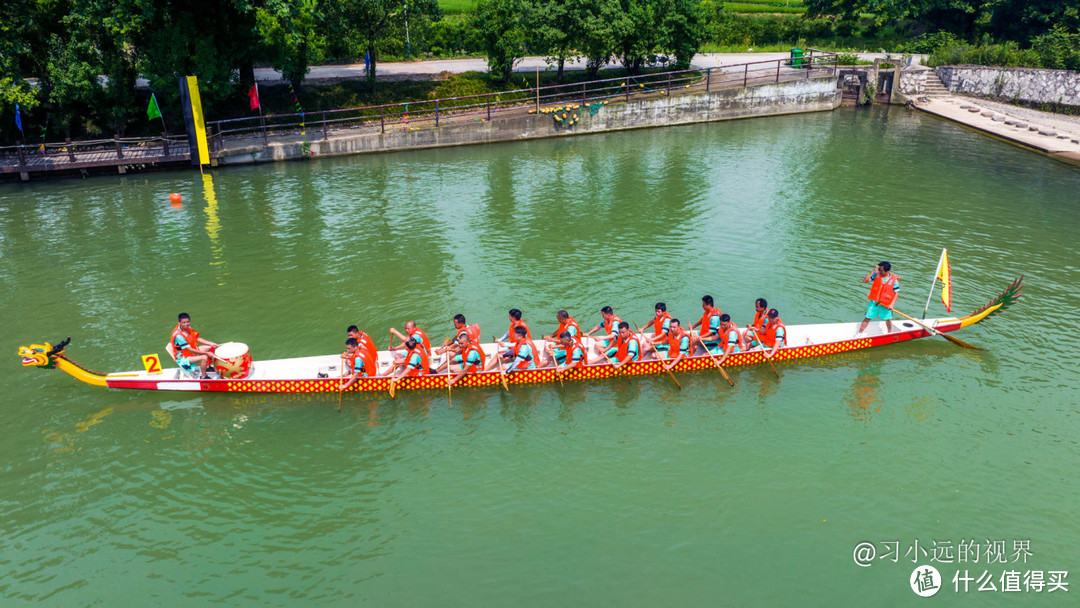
(875,310)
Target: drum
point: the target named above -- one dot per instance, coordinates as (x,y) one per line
(234,362)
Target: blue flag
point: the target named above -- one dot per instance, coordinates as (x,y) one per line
(367,61)
(18,117)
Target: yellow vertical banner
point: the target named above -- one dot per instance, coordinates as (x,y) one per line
(200,124)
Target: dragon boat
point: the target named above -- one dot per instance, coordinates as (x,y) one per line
(317,374)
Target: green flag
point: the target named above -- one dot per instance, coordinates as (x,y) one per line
(152,110)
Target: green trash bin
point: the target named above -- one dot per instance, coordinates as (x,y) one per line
(797,59)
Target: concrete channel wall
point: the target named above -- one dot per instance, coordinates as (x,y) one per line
(786,97)
(1025,84)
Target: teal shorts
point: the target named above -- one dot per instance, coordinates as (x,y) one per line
(877,311)
(560,354)
(661,346)
(186,365)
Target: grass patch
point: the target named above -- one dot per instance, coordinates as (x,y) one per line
(745,7)
(457,7)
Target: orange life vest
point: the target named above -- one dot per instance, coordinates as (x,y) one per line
(371,354)
(622,347)
(760,318)
(769,339)
(517,347)
(476,367)
(612,326)
(513,324)
(565,326)
(883,292)
(674,341)
(427,344)
(584,354)
(706,318)
(412,371)
(190,336)
(350,361)
(658,323)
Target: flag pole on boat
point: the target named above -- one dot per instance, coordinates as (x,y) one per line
(937,273)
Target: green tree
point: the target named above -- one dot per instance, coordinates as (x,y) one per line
(684,26)
(598,32)
(503,26)
(291,33)
(555,27)
(375,25)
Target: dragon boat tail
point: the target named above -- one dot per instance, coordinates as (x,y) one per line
(309,374)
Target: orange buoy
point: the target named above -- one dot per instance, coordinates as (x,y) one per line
(175,198)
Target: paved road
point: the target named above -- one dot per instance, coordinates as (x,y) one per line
(400,69)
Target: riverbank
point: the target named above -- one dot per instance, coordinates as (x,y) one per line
(702,100)
(1052,134)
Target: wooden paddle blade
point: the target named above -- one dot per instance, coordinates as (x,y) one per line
(675,380)
(959,342)
(391,388)
(723,372)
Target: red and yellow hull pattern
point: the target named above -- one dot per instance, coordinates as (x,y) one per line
(533,376)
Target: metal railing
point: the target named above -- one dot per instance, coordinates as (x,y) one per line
(415,115)
(88,153)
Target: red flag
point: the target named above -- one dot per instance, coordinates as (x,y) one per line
(253,96)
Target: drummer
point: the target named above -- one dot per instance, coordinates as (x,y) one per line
(185,343)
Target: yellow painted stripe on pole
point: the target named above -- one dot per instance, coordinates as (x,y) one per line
(200,125)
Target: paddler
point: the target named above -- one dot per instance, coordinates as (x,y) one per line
(578,356)
(761,314)
(515,320)
(521,353)
(730,338)
(609,324)
(882,296)
(415,362)
(566,324)
(709,334)
(366,344)
(661,325)
(185,342)
(775,335)
(353,363)
(472,355)
(627,346)
(411,331)
(678,343)
(453,350)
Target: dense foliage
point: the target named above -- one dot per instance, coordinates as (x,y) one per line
(68,45)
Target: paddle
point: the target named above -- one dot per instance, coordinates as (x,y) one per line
(449,396)
(341,378)
(498,360)
(956,341)
(661,362)
(723,372)
(618,368)
(769,359)
(556,363)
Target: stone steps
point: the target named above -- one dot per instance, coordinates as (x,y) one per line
(934,86)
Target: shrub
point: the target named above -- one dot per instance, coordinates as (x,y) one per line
(1058,49)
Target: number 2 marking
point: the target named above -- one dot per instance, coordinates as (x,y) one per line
(152,364)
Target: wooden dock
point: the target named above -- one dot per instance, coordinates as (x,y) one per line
(121,153)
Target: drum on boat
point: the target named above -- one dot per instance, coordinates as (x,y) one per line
(235,363)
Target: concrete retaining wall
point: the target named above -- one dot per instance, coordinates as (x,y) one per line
(1025,84)
(809,95)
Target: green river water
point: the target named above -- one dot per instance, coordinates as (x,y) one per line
(600,493)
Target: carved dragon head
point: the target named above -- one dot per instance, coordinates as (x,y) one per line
(42,355)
